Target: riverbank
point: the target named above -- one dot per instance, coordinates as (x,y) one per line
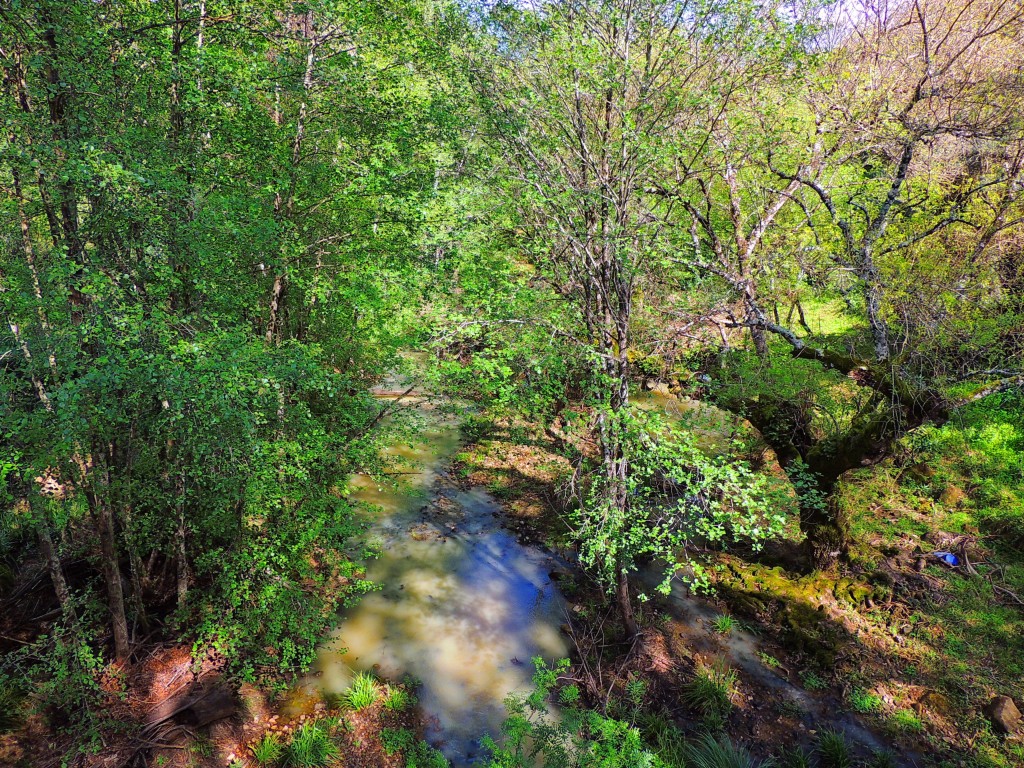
(895,649)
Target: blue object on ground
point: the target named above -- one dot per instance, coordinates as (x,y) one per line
(948,558)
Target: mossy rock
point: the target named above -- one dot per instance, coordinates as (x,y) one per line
(952,496)
(857,594)
(755,589)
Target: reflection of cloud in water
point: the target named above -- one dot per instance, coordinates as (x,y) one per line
(454,612)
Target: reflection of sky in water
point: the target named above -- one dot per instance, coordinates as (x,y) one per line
(462,611)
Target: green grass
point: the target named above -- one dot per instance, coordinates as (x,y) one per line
(711,690)
(709,752)
(882,759)
(11,706)
(664,738)
(795,757)
(724,624)
(363,692)
(905,721)
(311,747)
(864,702)
(398,699)
(813,681)
(267,751)
(833,751)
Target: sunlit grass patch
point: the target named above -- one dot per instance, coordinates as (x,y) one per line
(363,692)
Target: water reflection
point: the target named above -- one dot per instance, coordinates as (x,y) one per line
(464,606)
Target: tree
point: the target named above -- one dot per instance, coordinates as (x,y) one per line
(591,104)
(901,145)
(192,192)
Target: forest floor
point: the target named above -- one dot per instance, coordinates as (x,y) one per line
(171,712)
(895,648)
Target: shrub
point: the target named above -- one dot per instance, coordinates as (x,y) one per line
(363,692)
(711,690)
(311,747)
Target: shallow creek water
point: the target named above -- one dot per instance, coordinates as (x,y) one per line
(463,606)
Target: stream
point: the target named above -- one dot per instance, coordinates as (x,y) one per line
(463,608)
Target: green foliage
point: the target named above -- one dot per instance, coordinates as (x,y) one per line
(813,681)
(578,738)
(70,672)
(364,691)
(795,757)
(882,759)
(416,752)
(664,738)
(396,739)
(310,747)
(711,690)
(768,660)
(268,750)
(636,689)
(684,493)
(905,721)
(833,750)
(199,291)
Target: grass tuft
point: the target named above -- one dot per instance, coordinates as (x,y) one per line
(398,699)
(268,750)
(724,624)
(864,702)
(833,751)
(709,752)
(711,690)
(813,681)
(796,757)
(311,747)
(363,692)
(11,706)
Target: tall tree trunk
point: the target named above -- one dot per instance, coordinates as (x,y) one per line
(283,206)
(825,528)
(49,551)
(181,545)
(103,517)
